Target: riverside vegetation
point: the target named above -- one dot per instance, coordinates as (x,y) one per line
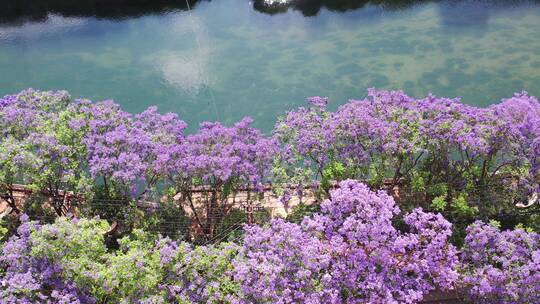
(460,171)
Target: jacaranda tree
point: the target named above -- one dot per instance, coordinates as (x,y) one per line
(220,160)
(464,161)
(38,148)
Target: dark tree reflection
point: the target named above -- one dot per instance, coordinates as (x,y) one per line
(13,11)
(313,7)
(37,10)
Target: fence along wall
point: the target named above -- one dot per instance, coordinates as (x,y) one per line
(245,200)
(241,199)
(247,208)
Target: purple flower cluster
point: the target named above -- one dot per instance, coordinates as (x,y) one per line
(217,154)
(35,147)
(502,267)
(350,252)
(29,279)
(477,161)
(221,159)
(518,118)
(30,109)
(130,153)
(284,264)
(305,133)
(198,275)
(392,123)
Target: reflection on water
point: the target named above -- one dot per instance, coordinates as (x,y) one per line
(313,7)
(188,74)
(38,10)
(225,59)
(120,9)
(186,70)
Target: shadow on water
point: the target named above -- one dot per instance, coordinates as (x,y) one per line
(310,8)
(38,10)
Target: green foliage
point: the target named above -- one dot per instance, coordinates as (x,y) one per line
(138,268)
(167,219)
(134,271)
(10,150)
(439,189)
(105,205)
(521,226)
(462,208)
(335,171)
(496,224)
(69,241)
(439,203)
(377,172)
(3,231)
(302,210)
(284,176)
(418,182)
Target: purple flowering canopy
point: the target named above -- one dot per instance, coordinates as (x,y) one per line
(444,155)
(464,161)
(130,154)
(221,160)
(518,118)
(37,147)
(435,154)
(217,154)
(350,252)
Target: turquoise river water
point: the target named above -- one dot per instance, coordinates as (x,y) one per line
(225,59)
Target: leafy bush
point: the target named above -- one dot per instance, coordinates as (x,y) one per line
(68,261)
(38,149)
(29,278)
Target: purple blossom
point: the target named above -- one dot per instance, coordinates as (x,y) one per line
(29,279)
(501,266)
(131,152)
(217,153)
(349,253)
(319,102)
